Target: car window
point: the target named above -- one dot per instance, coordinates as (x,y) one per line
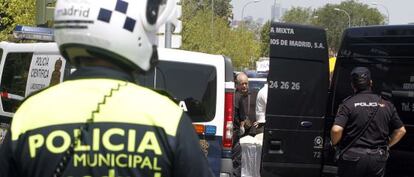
(256,85)
(14,80)
(193,86)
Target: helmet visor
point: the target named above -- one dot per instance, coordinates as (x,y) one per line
(158,12)
(154,9)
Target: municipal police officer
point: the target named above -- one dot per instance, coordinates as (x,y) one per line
(98,122)
(364,151)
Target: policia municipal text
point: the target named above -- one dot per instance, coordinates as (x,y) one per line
(98,122)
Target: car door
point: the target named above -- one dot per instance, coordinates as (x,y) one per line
(296,104)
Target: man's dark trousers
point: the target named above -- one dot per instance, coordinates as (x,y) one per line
(360,162)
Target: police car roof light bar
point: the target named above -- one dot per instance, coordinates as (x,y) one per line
(33,33)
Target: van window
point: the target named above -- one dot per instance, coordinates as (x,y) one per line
(392,77)
(14,80)
(193,86)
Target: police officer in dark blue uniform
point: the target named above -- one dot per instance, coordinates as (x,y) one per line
(364,151)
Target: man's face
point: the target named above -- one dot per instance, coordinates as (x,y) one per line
(243,84)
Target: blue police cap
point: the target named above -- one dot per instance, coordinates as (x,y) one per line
(361,77)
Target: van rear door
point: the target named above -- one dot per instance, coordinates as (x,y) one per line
(388,52)
(296,103)
(199,83)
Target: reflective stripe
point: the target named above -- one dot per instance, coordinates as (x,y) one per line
(74,102)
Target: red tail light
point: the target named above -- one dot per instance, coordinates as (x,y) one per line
(4,94)
(228,120)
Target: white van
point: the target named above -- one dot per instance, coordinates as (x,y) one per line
(25,68)
(203,86)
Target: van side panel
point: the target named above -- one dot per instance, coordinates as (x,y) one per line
(388,52)
(296,103)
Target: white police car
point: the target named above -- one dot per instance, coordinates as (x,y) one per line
(26,68)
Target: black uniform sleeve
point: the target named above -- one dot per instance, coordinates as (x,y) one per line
(189,160)
(395,122)
(6,160)
(342,115)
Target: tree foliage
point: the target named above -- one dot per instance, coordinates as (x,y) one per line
(333,21)
(222,8)
(298,15)
(238,44)
(14,12)
(204,32)
(265,40)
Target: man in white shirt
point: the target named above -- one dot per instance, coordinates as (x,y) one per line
(261,101)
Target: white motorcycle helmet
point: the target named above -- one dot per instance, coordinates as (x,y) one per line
(123,31)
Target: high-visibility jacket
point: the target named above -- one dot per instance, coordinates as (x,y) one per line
(98,124)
